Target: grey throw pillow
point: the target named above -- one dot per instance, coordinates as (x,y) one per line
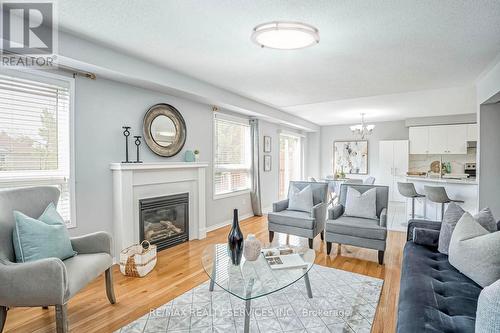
(488,309)
(361,204)
(301,200)
(453,213)
(475,251)
(486,219)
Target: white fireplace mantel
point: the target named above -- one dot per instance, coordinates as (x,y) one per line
(135,181)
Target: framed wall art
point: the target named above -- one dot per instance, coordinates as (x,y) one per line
(350,157)
(267,144)
(267,163)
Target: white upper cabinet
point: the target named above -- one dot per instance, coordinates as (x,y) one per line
(456,139)
(445,139)
(472,132)
(438,140)
(419,140)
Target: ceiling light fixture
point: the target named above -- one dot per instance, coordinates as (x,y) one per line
(284,35)
(362,130)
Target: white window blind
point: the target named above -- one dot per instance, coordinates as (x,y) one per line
(35,135)
(232,160)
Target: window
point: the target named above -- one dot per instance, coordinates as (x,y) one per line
(35,135)
(232,155)
(290,162)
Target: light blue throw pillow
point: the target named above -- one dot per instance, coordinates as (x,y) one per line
(300,200)
(45,237)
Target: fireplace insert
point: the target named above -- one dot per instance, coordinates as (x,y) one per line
(164,221)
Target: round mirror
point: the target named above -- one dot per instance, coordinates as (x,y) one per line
(164,130)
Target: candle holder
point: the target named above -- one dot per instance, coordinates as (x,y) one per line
(126,133)
(137,144)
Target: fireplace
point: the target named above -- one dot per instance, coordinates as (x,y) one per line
(164,221)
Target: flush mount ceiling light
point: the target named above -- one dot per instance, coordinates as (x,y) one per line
(285,35)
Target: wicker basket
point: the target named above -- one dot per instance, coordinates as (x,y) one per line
(138,261)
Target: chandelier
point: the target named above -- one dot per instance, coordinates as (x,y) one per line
(362,130)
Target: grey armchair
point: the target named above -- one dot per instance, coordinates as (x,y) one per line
(302,224)
(361,232)
(48,281)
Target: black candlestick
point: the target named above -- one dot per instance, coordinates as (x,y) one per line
(137,144)
(126,133)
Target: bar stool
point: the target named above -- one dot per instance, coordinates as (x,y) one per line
(407,190)
(438,194)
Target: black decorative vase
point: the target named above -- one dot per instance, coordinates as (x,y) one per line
(235,240)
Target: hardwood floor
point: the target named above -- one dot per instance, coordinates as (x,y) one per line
(179,270)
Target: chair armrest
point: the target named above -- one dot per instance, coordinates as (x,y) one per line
(335,212)
(424,224)
(96,242)
(383,218)
(318,212)
(37,283)
(280,205)
(426,237)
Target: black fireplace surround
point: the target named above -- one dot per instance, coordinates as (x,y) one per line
(164,221)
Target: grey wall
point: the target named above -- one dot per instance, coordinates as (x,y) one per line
(269,179)
(391,130)
(489,160)
(101,108)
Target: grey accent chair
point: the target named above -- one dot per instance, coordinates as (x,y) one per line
(48,281)
(302,224)
(369,181)
(361,232)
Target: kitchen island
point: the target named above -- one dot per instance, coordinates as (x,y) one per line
(458,189)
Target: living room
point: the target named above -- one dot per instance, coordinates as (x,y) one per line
(156,161)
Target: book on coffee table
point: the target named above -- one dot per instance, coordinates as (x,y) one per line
(293,260)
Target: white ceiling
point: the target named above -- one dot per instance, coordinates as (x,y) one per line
(367,48)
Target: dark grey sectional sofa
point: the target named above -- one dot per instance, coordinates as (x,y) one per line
(434,296)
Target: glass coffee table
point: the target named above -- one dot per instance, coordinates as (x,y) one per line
(252,279)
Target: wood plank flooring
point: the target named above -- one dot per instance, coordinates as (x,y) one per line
(179,270)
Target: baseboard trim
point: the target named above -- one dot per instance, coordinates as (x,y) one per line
(227,222)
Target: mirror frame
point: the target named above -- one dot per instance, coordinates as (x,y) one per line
(169,111)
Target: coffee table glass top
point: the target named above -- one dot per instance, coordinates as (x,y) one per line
(251,279)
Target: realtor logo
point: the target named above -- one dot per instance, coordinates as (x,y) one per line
(29,34)
(27,28)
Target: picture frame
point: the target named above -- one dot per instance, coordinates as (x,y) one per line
(267,144)
(350,157)
(267,163)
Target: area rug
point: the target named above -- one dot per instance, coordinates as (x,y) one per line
(342,302)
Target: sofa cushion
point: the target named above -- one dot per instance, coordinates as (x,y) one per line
(361,204)
(300,199)
(84,268)
(475,251)
(451,216)
(358,227)
(434,296)
(292,218)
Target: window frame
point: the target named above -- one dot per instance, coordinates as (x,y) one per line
(38,178)
(234,119)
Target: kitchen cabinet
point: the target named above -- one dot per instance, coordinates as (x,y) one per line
(393,165)
(419,140)
(439,140)
(472,132)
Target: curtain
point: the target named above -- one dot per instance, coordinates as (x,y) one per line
(255,193)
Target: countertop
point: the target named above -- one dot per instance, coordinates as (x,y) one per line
(442,180)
